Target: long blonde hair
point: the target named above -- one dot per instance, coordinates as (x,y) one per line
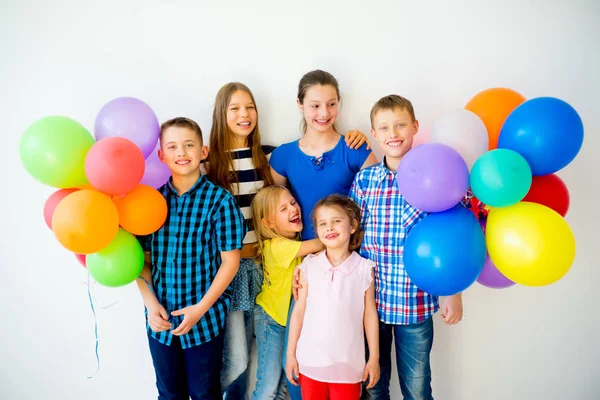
(220,164)
(264,206)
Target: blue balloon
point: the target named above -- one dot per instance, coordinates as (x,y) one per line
(445,252)
(546,131)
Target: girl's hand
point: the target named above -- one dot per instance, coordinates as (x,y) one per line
(354,139)
(191,316)
(291,369)
(452,309)
(296,283)
(158,319)
(371,372)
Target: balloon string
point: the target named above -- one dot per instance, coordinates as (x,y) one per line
(95,328)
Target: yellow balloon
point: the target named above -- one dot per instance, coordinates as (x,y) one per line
(529,243)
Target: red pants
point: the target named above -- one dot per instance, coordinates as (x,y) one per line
(315,390)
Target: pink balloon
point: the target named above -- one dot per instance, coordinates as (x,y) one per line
(114,165)
(53,201)
(421,137)
(82,259)
(156,173)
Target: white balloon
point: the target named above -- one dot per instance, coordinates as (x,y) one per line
(462,130)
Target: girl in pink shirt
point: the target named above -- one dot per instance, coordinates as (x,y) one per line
(335,308)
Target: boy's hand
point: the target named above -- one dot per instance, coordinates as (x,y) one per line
(452,309)
(158,319)
(291,369)
(354,139)
(371,372)
(191,316)
(296,283)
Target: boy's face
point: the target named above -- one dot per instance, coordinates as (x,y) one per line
(182,150)
(241,115)
(394,130)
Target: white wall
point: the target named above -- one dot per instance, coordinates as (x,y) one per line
(70,57)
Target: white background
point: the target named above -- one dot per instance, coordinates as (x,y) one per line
(71,57)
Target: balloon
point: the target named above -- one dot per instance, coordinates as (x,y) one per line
(500,178)
(142,211)
(423,136)
(81,258)
(550,191)
(85,221)
(529,243)
(114,165)
(464,132)
(131,119)
(493,106)
(546,131)
(156,173)
(53,149)
(119,263)
(445,252)
(433,177)
(53,201)
(492,278)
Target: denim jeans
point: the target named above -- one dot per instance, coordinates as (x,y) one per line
(270,377)
(239,330)
(293,390)
(184,373)
(413,346)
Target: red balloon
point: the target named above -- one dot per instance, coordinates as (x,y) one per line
(82,259)
(52,202)
(114,165)
(550,191)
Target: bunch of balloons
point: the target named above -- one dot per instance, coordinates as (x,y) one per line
(106,185)
(500,154)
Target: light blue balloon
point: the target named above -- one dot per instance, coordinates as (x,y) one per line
(500,178)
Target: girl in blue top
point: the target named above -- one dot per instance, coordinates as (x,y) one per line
(318,164)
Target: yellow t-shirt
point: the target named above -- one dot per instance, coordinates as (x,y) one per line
(279,261)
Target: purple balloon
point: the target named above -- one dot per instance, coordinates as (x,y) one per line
(131,119)
(157,173)
(433,177)
(492,278)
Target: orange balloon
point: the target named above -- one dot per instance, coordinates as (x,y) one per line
(493,107)
(85,221)
(142,211)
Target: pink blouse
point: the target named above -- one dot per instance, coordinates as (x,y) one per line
(331,347)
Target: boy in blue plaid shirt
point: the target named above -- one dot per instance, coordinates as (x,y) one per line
(193,258)
(405,311)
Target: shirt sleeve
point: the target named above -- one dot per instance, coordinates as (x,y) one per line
(356,194)
(282,252)
(230,227)
(279,160)
(357,157)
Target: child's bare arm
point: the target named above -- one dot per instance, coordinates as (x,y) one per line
(230,263)
(310,247)
(158,319)
(371,323)
(296,320)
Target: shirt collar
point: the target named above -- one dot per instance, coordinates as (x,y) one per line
(199,183)
(383,172)
(347,266)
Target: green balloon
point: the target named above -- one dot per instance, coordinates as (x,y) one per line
(500,178)
(53,151)
(119,263)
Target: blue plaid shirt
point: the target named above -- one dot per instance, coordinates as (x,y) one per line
(186,255)
(386,221)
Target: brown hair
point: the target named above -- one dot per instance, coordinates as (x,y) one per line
(348,206)
(392,102)
(220,164)
(182,122)
(264,206)
(314,78)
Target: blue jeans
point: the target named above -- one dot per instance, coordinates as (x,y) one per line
(239,329)
(413,346)
(184,373)
(270,378)
(293,390)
